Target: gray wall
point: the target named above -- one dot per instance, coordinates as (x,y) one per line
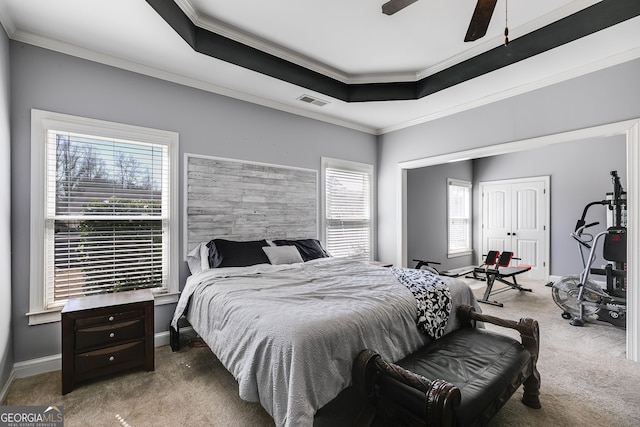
(605,96)
(207,123)
(579,174)
(6,350)
(427,213)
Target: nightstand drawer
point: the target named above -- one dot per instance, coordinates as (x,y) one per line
(110,359)
(106,335)
(109,318)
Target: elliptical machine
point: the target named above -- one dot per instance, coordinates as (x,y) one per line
(581,298)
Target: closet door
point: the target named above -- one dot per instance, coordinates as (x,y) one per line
(528,227)
(496,217)
(515,218)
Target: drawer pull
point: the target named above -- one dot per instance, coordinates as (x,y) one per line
(112,334)
(111,318)
(111,358)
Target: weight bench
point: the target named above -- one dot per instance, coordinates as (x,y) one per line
(496,267)
(461,379)
(456,272)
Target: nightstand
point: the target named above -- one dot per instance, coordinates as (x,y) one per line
(106,334)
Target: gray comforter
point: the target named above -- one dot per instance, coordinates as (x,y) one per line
(289,334)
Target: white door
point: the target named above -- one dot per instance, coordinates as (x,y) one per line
(496,217)
(515,218)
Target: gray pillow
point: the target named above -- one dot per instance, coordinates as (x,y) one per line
(309,248)
(282,254)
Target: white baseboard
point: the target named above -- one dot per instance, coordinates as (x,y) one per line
(42,365)
(29,368)
(5,388)
(161,338)
(37,366)
(554,279)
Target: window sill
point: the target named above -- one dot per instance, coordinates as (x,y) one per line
(459,254)
(42,317)
(166,298)
(51,316)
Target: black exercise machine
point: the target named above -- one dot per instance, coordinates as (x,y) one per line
(581,298)
(426,265)
(496,267)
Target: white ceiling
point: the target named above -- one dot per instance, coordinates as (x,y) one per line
(350,41)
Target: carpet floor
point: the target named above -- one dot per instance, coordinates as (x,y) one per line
(586,381)
(586,378)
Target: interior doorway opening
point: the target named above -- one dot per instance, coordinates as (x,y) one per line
(630,129)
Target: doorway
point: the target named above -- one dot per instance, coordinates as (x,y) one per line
(629,128)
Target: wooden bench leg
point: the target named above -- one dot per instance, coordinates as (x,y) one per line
(531,396)
(530,337)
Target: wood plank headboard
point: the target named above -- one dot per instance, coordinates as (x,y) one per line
(240,200)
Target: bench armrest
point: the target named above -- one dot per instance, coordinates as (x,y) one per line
(528,328)
(441,397)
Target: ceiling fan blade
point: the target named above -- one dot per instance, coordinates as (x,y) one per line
(480,20)
(393,6)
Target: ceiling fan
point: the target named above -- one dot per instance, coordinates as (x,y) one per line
(479,20)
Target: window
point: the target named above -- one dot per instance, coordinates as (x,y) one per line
(458,217)
(103,210)
(347,208)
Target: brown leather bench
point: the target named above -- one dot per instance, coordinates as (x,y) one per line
(463,378)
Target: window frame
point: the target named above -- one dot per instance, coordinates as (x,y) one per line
(41,121)
(349,166)
(469,247)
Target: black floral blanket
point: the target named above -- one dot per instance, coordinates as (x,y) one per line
(433,298)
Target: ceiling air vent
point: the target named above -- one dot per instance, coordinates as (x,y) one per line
(311,100)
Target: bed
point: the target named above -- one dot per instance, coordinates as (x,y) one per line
(288,328)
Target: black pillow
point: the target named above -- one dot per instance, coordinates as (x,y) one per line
(230,253)
(309,248)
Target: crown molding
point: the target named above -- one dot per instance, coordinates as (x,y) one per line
(599,16)
(129,65)
(117,62)
(224,29)
(6,21)
(125,64)
(594,66)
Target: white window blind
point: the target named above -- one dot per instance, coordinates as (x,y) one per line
(106,215)
(459,216)
(348,212)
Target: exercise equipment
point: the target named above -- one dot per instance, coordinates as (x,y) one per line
(425,265)
(496,268)
(581,298)
(456,272)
